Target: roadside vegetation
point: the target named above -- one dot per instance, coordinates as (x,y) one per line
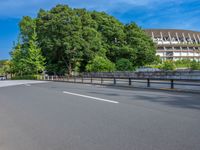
(63,40)
(5,67)
(179,64)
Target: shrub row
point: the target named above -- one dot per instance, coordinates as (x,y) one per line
(25,77)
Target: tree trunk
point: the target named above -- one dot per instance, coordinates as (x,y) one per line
(69,69)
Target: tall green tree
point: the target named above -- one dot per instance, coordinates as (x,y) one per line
(59,32)
(17,60)
(141,43)
(29,59)
(112,32)
(26,26)
(34,60)
(19,53)
(70,39)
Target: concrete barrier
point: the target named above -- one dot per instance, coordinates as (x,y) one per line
(164,75)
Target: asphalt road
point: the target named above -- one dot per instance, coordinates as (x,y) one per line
(64,116)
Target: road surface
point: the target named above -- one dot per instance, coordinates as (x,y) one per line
(63,116)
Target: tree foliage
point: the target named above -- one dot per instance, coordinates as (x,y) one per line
(27,59)
(71,39)
(59,33)
(17,59)
(143,49)
(124,65)
(34,60)
(195,65)
(168,65)
(5,67)
(100,64)
(75,36)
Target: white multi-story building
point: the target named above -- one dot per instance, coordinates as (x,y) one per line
(175,44)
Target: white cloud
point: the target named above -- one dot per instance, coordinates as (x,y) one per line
(145,12)
(23,7)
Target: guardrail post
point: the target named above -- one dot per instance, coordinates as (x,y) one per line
(101,80)
(148,83)
(67,77)
(172,84)
(114,81)
(48,78)
(82,78)
(129,81)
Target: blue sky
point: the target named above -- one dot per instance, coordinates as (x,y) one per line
(180,14)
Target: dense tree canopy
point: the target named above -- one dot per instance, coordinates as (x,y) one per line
(26,57)
(100,64)
(5,67)
(124,65)
(74,38)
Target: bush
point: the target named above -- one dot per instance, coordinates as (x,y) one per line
(183,63)
(25,77)
(168,65)
(100,64)
(124,65)
(195,65)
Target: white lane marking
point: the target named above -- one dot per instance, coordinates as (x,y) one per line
(90,97)
(27,84)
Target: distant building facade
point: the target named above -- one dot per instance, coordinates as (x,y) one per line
(176,44)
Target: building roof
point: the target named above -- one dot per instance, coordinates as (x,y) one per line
(173,32)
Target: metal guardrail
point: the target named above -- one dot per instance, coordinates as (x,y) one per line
(126,80)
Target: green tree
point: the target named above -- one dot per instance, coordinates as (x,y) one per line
(19,53)
(91,46)
(1,71)
(35,61)
(1,66)
(5,67)
(195,65)
(59,33)
(112,31)
(2,62)
(124,65)
(17,60)
(100,64)
(142,45)
(168,65)
(26,26)
(71,38)
(183,63)
(27,60)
